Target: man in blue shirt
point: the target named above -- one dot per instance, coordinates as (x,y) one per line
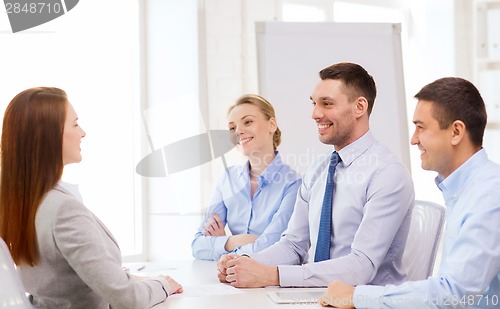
(370,204)
(450,118)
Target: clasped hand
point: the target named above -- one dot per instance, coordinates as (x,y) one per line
(338,295)
(245,272)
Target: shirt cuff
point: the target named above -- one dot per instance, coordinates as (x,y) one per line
(368,296)
(291,275)
(220,242)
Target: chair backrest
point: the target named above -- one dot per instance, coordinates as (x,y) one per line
(12,292)
(423,239)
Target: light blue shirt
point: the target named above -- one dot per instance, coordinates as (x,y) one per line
(469,274)
(266,214)
(371,215)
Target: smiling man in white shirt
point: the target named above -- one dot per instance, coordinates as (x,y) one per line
(372,201)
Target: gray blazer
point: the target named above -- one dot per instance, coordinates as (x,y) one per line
(80,262)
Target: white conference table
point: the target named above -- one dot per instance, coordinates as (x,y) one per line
(202,289)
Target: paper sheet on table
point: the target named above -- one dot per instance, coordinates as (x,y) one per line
(210,290)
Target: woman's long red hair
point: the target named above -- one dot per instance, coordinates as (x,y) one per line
(31,164)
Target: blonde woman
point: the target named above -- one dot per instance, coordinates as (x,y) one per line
(255,200)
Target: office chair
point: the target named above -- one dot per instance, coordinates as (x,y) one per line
(12,293)
(423,239)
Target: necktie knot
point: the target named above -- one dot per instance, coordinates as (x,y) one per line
(335,159)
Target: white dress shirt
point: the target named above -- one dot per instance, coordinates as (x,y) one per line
(371,215)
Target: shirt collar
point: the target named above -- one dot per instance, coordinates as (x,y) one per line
(269,172)
(455,183)
(352,151)
(70,188)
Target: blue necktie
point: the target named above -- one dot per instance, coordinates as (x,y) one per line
(325,221)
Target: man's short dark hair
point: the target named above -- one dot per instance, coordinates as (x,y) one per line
(455,98)
(356,80)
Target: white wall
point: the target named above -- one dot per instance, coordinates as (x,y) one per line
(171,113)
(430,55)
(75,53)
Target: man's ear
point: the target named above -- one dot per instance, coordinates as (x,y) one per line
(360,107)
(458,131)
